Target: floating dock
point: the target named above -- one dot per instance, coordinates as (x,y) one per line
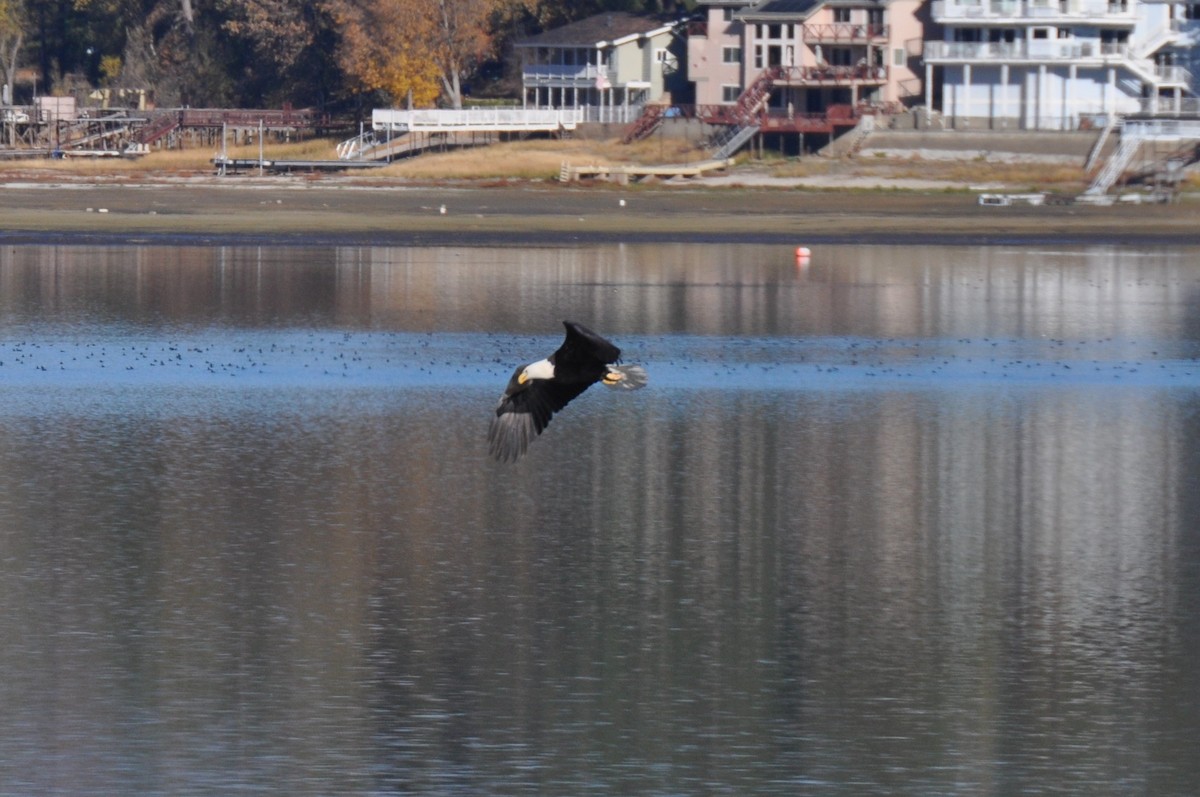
(627,173)
(235,165)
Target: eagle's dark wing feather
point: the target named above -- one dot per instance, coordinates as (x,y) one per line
(582,348)
(522,416)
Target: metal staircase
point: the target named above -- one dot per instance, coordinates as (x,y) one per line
(1116,165)
(646,123)
(1098,147)
(731,140)
(158,128)
(745,114)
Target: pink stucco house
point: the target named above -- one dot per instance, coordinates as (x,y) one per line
(814,54)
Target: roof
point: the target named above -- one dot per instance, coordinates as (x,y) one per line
(599,29)
(787,6)
(782,7)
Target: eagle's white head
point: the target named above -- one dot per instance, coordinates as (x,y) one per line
(542,369)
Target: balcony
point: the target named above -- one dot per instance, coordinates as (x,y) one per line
(844,32)
(1173,76)
(828,75)
(1046,12)
(567,75)
(1028,51)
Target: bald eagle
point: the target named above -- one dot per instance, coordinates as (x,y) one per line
(540,389)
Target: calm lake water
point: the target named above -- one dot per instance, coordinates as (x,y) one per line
(903,521)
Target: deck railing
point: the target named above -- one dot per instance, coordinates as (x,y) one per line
(836,32)
(1035,50)
(540,74)
(1029,10)
(500,119)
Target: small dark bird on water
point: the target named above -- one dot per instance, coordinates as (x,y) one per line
(540,389)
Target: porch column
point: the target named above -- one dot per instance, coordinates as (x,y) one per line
(928,90)
(1004,95)
(1070,110)
(1110,91)
(966,98)
(1041,94)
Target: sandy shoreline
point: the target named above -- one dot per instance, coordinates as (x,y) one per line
(348,211)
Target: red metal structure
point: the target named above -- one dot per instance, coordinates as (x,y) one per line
(164,123)
(752,109)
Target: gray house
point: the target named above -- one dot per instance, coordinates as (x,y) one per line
(608,65)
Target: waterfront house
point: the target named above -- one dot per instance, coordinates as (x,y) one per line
(1057,64)
(818,53)
(608,65)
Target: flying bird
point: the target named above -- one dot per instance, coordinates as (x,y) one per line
(540,389)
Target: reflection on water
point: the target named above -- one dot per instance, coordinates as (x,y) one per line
(251,539)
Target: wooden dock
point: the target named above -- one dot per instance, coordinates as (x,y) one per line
(236,165)
(626,173)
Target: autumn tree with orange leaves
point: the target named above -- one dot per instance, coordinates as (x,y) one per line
(422,48)
(385,46)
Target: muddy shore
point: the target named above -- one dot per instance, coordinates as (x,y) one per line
(348,211)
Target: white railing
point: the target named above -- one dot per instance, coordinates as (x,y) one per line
(354,148)
(1121,55)
(608,114)
(1033,10)
(533,74)
(1169,106)
(1174,74)
(1163,129)
(611,114)
(494,119)
(1035,50)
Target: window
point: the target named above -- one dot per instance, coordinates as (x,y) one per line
(730,93)
(841,15)
(728,15)
(1041,33)
(1064,33)
(731,55)
(899,57)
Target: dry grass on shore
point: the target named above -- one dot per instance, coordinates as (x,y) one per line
(541,159)
(168,161)
(1026,175)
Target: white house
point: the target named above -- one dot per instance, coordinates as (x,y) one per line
(1056,64)
(608,64)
